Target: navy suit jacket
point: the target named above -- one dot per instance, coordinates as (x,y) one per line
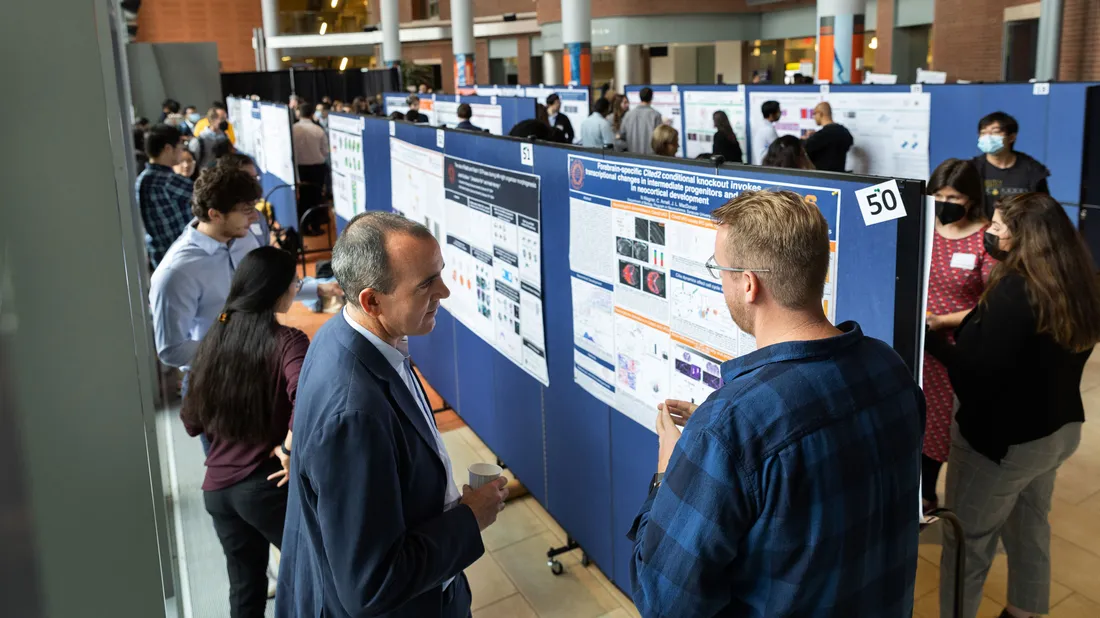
(366,533)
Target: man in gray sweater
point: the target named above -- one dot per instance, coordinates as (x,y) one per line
(638,124)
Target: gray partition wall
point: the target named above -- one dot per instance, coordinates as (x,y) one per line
(79,519)
(186,72)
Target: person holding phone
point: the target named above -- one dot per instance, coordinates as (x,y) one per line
(244,382)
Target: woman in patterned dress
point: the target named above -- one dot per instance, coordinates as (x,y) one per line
(960,268)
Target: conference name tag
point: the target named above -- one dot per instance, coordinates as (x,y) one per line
(880,203)
(965,261)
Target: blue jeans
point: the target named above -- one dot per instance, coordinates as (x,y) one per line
(183,393)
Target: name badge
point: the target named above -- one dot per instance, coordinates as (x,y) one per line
(965,261)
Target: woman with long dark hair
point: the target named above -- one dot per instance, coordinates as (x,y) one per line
(960,269)
(242,388)
(725,140)
(1016,368)
(788,152)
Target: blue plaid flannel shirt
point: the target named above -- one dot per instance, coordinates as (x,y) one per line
(165,201)
(793,490)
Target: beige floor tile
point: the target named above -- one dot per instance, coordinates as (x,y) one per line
(515,523)
(928,578)
(621,598)
(1075,567)
(1077,524)
(488,582)
(1090,379)
(1079,478)
(573,594)
(619,613)
(928,606)
(514,606)
(1076,606)
(996,584)
(551,524)
(930,551)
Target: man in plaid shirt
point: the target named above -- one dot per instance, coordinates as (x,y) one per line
(793,490)
(164,196)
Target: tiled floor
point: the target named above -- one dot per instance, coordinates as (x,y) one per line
(513,581)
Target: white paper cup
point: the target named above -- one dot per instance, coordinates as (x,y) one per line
(482,474)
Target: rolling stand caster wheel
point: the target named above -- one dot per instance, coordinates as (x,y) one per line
(555,567)
(585,561)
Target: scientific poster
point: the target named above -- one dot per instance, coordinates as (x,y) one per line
(699,108)
(278,146)
(254,131)
(889,129)
(488,222)
(574,104)
(349,186)
(399,104)
(494,259)
(649,320)
(485,116)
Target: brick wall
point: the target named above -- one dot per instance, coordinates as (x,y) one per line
(884,30)
(968,38)
(550,10)
(228,23)
(1080,59)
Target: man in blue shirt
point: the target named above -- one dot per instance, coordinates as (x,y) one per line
(164,197)
(793,490)
(596,130)
(189,287)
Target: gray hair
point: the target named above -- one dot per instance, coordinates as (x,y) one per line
(359,258)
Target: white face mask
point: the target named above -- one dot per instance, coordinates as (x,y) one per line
(991,144)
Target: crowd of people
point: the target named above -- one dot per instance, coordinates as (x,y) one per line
(741,479)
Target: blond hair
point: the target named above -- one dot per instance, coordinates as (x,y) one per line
(666,140)
(779,231)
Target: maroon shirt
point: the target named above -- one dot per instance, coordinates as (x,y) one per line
(229,463)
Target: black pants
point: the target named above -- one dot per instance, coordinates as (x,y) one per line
(929,474)
(248,517)
(312,179)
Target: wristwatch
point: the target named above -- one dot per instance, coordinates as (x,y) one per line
(658,478)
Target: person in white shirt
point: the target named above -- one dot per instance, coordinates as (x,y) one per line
(311,153)
(764,134)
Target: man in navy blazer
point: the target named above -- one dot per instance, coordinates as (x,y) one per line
(375,525)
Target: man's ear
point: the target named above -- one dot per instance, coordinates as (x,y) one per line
(752,286)
(368,300)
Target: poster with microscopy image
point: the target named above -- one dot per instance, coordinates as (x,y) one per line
(349,186)
(650,322)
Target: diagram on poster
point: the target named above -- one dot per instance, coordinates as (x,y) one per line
(890,131)
(277,144)
(649,319)
(699,130)
(349,186)
(488,223)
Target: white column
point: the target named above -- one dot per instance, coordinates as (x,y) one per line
(1050,35)
(391,37)
(269,10)
(462,37)
(840,30)
(551,68)
(628,66)
(576,38)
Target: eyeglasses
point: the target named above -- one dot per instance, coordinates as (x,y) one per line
(716,270)
(298,283)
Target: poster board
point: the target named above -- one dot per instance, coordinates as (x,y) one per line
(349,185)
(698,111)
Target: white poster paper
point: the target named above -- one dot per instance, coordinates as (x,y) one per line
(277,143)
(649,319)
(699,130)
(484,116)
(667,103)
(890,131)
(349,187)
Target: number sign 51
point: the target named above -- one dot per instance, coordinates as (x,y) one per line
(880,203)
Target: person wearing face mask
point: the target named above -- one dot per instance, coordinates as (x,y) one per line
(191,117)
(960,269)
(1016,369)
(320,115)
(1004,170)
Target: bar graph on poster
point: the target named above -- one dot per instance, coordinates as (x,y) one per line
(487,221)
(650,322)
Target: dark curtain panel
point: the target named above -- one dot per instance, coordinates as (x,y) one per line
(312,85)
(269,86)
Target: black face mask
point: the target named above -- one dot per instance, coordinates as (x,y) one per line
(949,212)
(992,244)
